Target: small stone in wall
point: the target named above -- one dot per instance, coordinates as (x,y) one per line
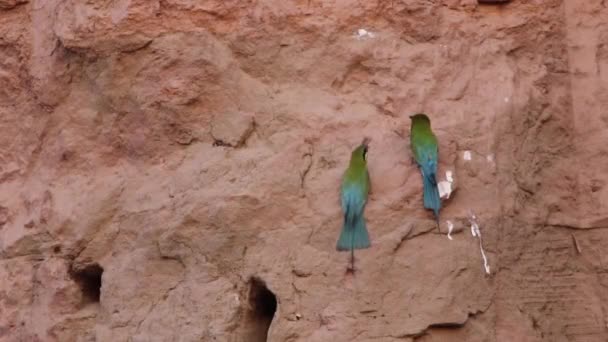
(232,128)
(493,1)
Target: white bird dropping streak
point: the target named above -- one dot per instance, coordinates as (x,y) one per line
(477,233)
(450,228)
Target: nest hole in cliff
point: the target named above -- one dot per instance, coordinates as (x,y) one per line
(89,281)
(262,307)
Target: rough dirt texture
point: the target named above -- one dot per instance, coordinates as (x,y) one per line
(165,164)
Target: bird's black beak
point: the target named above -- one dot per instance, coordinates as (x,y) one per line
(366,141)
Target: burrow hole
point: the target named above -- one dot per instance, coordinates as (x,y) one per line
(262,307)
(89,281)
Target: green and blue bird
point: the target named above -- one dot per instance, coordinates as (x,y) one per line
(425,150)
(355,189)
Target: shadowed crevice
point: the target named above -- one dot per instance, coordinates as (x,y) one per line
(89,281)
(261,310)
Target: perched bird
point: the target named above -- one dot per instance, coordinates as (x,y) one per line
(424,147)
(355,188)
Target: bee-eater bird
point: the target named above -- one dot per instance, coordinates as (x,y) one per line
(355,189)
(425,149)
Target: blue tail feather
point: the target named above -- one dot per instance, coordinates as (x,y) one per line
(431,194)
(354,234)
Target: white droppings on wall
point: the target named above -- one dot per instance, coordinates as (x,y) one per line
(363,33)
(445,186)
(450,228)
(448,176)
(466,155)
(477,233)
(490,158)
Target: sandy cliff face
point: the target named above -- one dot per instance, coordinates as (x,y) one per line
(169,170)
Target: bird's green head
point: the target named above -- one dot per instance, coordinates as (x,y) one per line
(359,155)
